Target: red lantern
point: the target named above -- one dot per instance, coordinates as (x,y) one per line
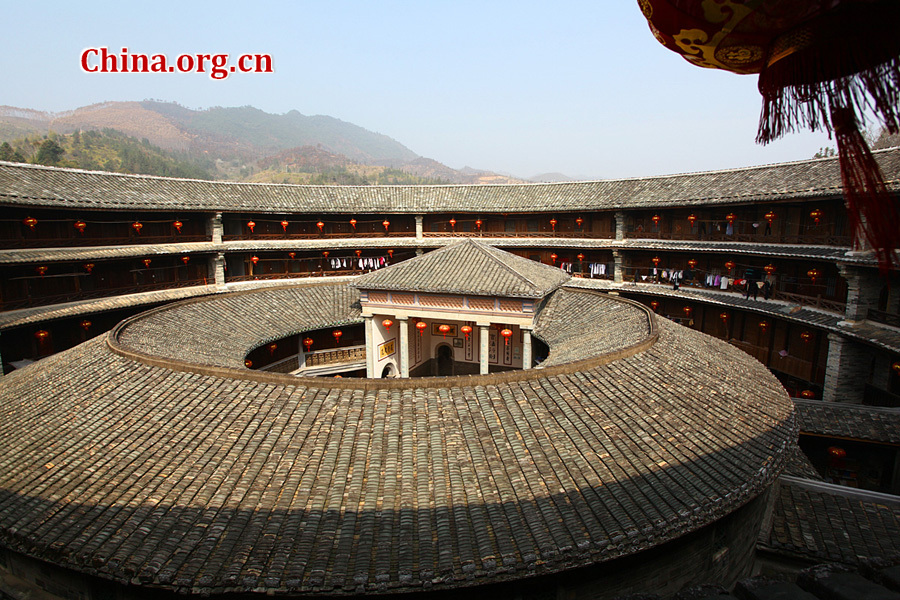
(251,225)
(808,394)
(723,316)
(655,260)
(41,335)
(325,253)
(729,265)
(29,222)
(387,324)
(813,274)
(391,253)
(477,223)
(453,223)
(692,218)
(137,226)
(80,226)
(337,333)
(308,342)
(769,216)
(41,270)
(816,215)
(386,224)
(579,221)
(254,259)
(805,336)
(553,257)
(248,363)
(185,259)
(656,219)
(444,329)
(178,225)
(769,269)
(85,324)
(730,218)
(687,310)
(147,262)
(353,224)
(506,333)
(321,226)
(654,305)
(466,330)
(896,368)
(580,257)
(358,253)
(837,452)
(88,267)
(272,348)
(692,263)
(421,326)
(553,224)
(284,226)
(763,325)
(291,255)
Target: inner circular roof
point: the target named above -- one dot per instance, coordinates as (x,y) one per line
(154,456)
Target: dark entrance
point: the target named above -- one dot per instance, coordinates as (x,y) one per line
(444,360)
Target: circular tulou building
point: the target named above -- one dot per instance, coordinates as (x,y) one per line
(638,455)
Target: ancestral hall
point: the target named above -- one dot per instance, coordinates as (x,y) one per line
(484,299)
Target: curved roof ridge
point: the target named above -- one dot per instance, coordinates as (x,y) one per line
(451,185)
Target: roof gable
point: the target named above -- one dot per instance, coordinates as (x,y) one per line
(468,267)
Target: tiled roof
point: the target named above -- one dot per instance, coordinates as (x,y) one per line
(153,471)
(468,267)
(71,188)
(831,523)
(876,424)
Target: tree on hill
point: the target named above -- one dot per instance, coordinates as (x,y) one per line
(49,153)
(10,154)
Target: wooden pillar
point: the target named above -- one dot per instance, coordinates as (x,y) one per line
(484,348)
(404,347)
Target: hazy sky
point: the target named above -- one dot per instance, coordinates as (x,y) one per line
(518,87)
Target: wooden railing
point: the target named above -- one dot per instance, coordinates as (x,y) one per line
(817,240)
(334,356)
(86,241)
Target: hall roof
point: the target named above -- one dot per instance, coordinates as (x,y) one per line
(153,457)
(39,186)
(467,267)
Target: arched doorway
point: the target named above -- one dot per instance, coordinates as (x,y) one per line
(389,371)
(444,359)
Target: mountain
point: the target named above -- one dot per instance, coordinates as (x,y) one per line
(243,141)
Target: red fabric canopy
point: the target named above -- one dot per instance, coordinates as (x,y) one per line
(822,64)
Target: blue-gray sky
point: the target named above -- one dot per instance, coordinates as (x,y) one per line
(521,87)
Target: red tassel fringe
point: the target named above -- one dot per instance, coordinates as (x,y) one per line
(871,211)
